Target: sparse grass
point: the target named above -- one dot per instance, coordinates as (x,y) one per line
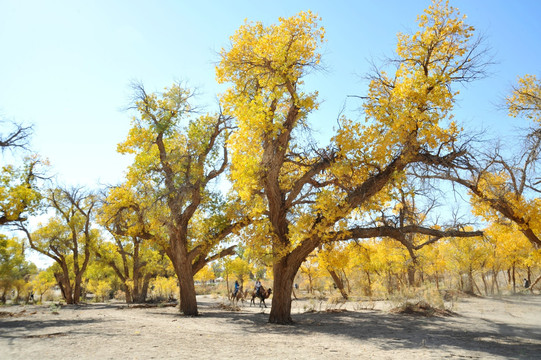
(313,306)
(53,308)
(335,302)
(369,304)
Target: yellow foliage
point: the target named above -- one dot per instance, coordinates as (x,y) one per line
(205,274)
(164,287)
(100,288)
(525,99)
(265,65)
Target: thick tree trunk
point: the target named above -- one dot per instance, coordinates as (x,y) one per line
(77,288)
(183,269)
(64,283)
(178,253)
(129,297)
(142,296)
(469,287)
(284,276)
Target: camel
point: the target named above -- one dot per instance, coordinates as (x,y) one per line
(263,294)
(241,295)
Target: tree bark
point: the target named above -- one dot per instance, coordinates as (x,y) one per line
(513,278)
(339,283)
(65,287)
(485,285)
(183,269)
(284,276)
(411,275)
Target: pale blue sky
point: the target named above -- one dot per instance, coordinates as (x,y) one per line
(66,65)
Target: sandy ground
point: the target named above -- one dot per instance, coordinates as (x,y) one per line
(483,328)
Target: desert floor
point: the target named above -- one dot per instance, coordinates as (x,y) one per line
(482,328)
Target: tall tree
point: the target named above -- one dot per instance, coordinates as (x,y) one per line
(67,238)
(300,195)
(177,156)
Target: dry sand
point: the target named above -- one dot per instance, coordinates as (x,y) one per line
(484,328)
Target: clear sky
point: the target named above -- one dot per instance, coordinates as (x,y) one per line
(66,65)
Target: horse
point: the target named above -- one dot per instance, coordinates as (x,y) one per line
(263,294)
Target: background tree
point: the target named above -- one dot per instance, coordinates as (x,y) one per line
(241,269)
(43,282)
(67,237)
(15,270)
(300,195)
(467,256)
(177,155)
(19,195)
(133,253)
(100,281)
(19,192)
(511,251)
(335,258)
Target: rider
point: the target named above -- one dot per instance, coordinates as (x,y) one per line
(236,288)
(258,287)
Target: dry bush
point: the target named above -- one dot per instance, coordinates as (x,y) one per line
(426,301)
(421,308)
(336,301)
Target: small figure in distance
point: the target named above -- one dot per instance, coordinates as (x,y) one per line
(257,288)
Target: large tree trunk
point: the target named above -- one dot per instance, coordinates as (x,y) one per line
(284,276)
(188,300)
(142,296)
(65,287)
(128,293)
(77,288)
(183,269)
